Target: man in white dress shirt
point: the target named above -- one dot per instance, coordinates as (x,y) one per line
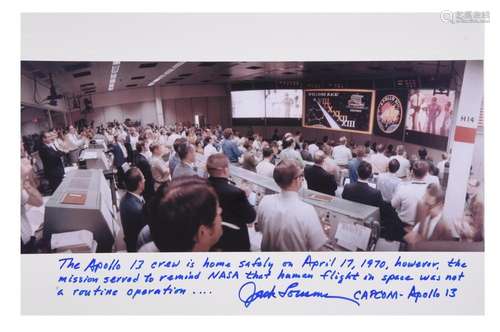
(341,153)
(265,167)
(286,222)
(407,196)
(73,144)
(312,148)
(209,148)
(379,161)
(388,182)
(404,164)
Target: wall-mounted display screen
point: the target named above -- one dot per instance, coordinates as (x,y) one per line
(283,103)
(429,117)
(248,104)
(339,109)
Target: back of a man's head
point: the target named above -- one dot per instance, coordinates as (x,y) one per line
(286,172)
(267,152)
(422,153)
(319,157)
(342,140)
(380,148)
(228,132)
(393,165)
(400,150)
(216,164)
(178,142)
(133,178)
(183,150)
(364,170)
(420,169)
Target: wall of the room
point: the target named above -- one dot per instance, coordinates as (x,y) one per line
(179,104)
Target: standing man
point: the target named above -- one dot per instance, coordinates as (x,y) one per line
(53,167)
(230,147)
(341,153)
(74,144)
(142,162)
(131,206)
(434,111)
(237,211)
(317,178)
(287,223)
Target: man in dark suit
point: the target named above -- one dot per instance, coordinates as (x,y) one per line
(131,208)
(119,158)
(143,164)
(237,211)
(317,178)
(51,158)
(361,191)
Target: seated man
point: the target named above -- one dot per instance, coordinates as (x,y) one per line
(361,191)
(236,210)
(131,207)
(317,178)
(286,222)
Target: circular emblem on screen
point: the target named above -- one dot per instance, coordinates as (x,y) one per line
(389,114)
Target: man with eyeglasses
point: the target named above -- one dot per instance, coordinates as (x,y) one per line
(286,222)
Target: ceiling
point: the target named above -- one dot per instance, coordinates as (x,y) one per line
(93,77)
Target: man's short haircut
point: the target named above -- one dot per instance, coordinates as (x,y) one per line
(153,147)
(286,172)
(132,178)
(380,148)
(360,152)
(420,169)
(435,191)
(319,157)
(422,153)
(267,152)
(140,146)
(342,140)
(393,165)
(178,142)
(364,170)
(400,150)
(187,204)
(287,142)
(183,149)
(228,132)
(216,163)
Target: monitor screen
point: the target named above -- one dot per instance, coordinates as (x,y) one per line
(428,113)
(283,103)
(248,104)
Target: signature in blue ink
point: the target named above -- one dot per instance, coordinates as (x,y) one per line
(248,293)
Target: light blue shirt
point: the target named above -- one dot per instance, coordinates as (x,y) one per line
(387,183)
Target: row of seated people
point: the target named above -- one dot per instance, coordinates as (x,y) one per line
(187,214)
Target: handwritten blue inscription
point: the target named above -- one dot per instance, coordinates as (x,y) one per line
(258,279)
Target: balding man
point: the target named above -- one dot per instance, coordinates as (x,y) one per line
(341,153)
(287,223)
(318,179)
(237,211)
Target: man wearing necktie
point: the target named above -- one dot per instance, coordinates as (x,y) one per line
(53,166)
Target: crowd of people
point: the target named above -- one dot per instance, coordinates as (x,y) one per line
(172,202)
